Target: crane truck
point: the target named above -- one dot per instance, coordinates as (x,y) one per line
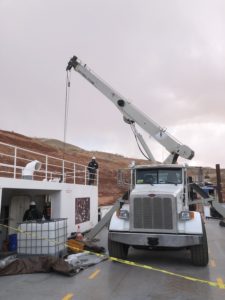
(157,212)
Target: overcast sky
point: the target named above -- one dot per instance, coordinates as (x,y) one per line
(166,56)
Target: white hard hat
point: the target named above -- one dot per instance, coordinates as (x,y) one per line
(32,203)
(93,157)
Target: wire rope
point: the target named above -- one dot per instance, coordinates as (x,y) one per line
(138,144)
(66,112)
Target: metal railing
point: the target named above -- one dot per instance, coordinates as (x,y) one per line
(13,162)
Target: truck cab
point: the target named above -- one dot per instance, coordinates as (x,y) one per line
(157,214)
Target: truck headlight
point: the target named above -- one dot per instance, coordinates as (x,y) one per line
(123,214)
(186,215)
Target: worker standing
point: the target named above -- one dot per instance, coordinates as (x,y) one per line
(32,214)
(92,169)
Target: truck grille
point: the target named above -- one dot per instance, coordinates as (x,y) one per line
(153,213)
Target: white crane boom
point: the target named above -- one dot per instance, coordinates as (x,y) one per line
(132,114)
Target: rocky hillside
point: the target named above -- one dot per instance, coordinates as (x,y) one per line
(109,164)
(109,191)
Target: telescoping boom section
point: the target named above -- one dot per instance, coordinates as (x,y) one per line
(132,114)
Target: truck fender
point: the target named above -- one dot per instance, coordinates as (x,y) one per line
(118,224)
(194,226)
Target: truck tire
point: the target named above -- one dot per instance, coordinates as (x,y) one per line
(199,253)
(117,250)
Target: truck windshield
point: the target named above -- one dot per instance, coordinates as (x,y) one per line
(159,176)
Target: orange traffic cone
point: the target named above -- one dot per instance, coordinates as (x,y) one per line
(79,236)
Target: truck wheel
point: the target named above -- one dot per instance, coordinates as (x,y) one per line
(117,250)
(199,253)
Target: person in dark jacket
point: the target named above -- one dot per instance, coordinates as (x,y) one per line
(32,213)
(92,168)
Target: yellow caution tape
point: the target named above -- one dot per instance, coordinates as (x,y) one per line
(218,284)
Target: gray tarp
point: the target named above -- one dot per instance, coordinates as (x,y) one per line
(85,260)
